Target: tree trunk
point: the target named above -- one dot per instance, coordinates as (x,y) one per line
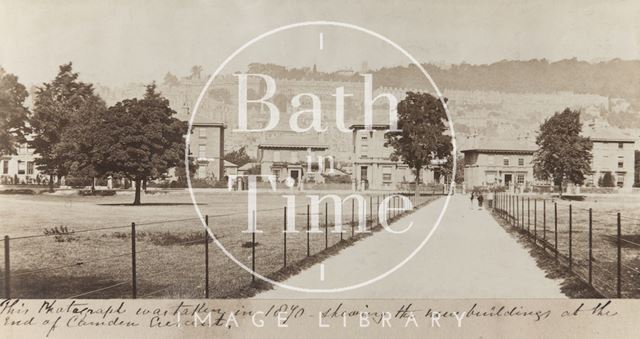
(417,190)
(93,184)
(50,183)
(560,189)
(136,200)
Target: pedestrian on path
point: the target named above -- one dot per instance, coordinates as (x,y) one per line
(472,198)
(490,198)
(480,200)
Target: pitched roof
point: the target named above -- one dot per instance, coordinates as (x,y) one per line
(502,146)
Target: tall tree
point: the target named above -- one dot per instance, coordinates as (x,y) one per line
(422,135)
(59,107)
(141,139)
(13,113)
(563,155)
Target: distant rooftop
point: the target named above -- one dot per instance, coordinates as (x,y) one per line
(502,146)
(608,134)
(293,142)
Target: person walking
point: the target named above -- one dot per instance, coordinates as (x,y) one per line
(480,200)
(472,198)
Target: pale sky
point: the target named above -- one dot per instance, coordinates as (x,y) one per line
(116,42)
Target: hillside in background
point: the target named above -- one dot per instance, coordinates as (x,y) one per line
(507,99)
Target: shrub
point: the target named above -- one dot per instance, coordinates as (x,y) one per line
(337,179)
(101,193)
(608,180)
(61,234)
(18,191)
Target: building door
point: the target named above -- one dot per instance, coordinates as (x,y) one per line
(295,175)
(364,177)
(507,179)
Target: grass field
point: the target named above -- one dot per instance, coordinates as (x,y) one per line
(93,260)
(604,235)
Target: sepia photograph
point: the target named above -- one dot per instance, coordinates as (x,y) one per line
(271,168)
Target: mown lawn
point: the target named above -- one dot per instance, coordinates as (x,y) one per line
(604,236)
(94,260)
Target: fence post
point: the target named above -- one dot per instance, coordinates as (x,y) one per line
(619,289)
(528,215)
(308,235)
(284,232)
(518,210)
(570,237)
(206,257)
(555,228)
(510,209)
(7,269)
(352,215)
(544,224)
(371,210)
(326,225)
(590,245)
(134,283)
(253,249)
(535,221)
(522,213)
(377,209)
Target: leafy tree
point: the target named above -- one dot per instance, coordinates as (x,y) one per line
(563,154)
(608,180)
(238,157)
(13,113)
(141,139)
(447,168)
(422,134)
(63,111)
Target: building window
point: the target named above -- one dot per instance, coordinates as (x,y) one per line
(620,162)
(202,151)
(620,145)
(202,132)
(386,174)
(520,178)
(21,167)
(620,180)
(505,161)
(5,167)
(520,161)
(30,167)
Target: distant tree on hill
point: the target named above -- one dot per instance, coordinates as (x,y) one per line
(170,79)
(421,137)
(13,113)
(563,154)
(141,139)
(196,72)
